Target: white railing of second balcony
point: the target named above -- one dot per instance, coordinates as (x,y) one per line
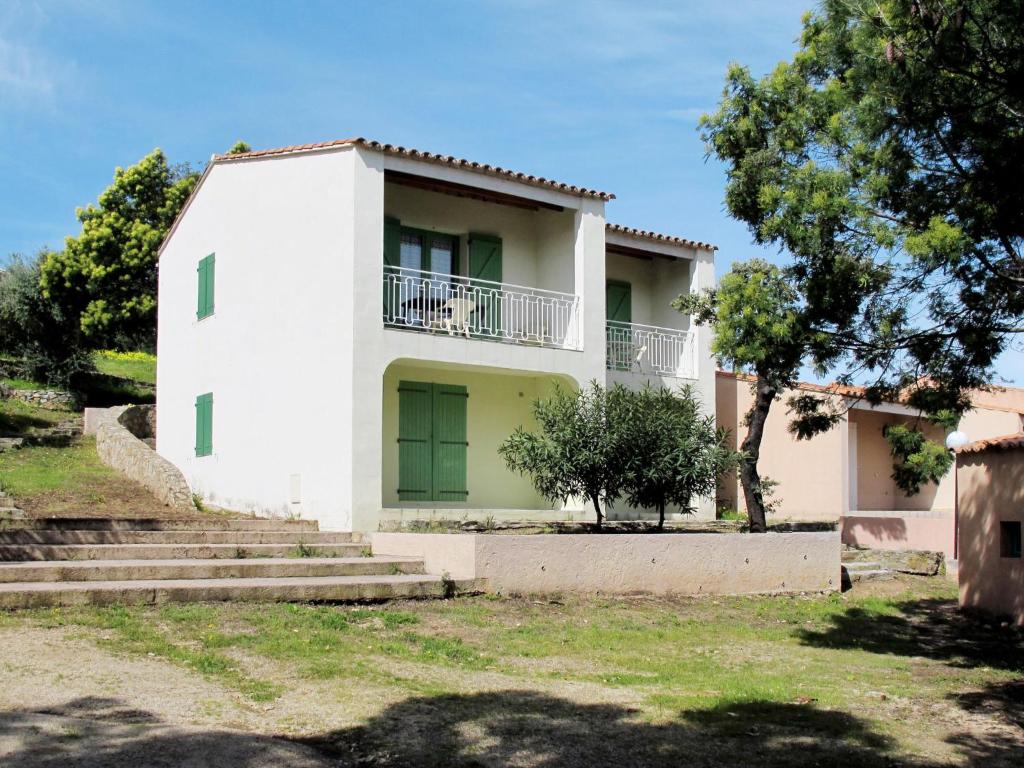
(651,349)
(480,309)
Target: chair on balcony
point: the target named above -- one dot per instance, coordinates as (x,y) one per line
(457,316)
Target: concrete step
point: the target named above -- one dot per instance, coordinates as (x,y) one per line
(24,552)
(877,574)
(209,523)
(323,588)
(262,567)
(241,538)
(862,565)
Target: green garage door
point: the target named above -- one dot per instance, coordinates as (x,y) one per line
(431,442)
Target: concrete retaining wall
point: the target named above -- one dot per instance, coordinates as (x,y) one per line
(118,431)
(683,564)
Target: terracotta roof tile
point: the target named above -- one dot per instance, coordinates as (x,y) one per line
(1001,443)
(431,157)
(644,234)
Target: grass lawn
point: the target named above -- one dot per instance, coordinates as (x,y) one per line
(71,481)
(137,366)
(889,674)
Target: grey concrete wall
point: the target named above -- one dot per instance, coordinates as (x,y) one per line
(683,564)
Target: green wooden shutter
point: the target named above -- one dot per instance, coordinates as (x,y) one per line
(619,301)
(485,264)
(392,261)
(415,418)
(449,443)
(205,271)
(204,424)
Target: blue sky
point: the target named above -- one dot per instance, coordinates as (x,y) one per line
(601,93)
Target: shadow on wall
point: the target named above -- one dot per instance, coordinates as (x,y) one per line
(991,489)
(873,529)
(496,728)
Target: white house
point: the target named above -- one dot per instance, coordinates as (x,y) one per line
(348,330)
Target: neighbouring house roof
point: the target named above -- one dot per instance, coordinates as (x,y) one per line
(834,388)
(1003,443)
(643,234)
(978,400)
(418,154)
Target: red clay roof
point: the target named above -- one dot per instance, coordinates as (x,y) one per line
(644,234)
(834,388)
(431,157)
(1000,443)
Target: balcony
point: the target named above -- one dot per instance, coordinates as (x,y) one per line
(649,349)
(433,302)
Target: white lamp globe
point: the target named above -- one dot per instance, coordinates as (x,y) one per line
(956,440)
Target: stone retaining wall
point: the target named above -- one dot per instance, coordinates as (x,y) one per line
(120,432)
(671,563)
(44,398)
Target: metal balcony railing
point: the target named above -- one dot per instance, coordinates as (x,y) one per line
(480,309)
(653,350)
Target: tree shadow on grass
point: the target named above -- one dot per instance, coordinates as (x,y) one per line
(932,628)
(497,728)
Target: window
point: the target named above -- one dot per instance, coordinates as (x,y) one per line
(431,442)
(204,424)
(205,302)
(1009,538)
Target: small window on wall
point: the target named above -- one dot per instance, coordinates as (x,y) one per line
(205,271)
(204,424)
(1009,538)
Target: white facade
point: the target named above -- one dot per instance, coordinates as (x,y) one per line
(303,369)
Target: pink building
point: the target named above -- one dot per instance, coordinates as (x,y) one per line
(845,474)
(990,513)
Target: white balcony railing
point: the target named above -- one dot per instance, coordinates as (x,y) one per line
(480,309)
(653,350)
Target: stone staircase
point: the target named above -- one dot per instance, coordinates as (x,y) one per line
(857,566)
(95,561)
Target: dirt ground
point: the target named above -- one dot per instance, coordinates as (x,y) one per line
(69,696)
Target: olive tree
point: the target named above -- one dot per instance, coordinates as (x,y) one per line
(672,453)
(575,451)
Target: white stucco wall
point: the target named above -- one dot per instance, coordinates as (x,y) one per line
(296,353)
(273,353)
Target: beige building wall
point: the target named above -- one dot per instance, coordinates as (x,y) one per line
(990,490)
(848,469)
(809,472)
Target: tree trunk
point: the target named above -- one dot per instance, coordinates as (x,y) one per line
(597,508)
(661,516)
(764,396)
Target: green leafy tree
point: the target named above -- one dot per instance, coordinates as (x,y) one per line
(239,148)
(886,159)
(106,277)
(575,451)
(761,325)
(671,452)
(35,330)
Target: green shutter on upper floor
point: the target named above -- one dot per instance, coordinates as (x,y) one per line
(205,279)
(392,261)
(619,301)
(485,264)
